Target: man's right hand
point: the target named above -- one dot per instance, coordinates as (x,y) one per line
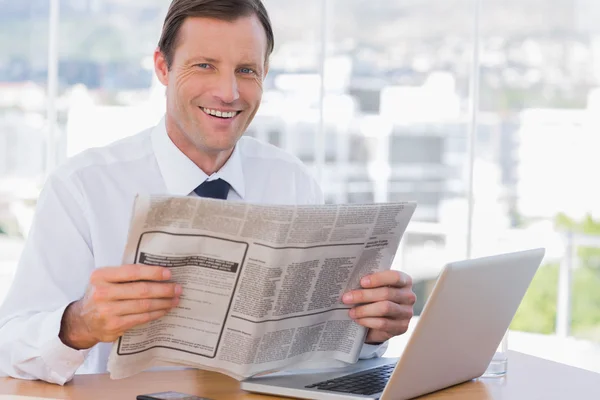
(118,299)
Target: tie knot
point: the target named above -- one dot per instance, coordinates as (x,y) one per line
(217,189)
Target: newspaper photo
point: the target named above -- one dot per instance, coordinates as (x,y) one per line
(262,284)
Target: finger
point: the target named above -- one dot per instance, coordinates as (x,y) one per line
(136,291)
(389,326)
(129,307)
(386,278)
(403,295)
(377,337)
(382,309)
(130,273)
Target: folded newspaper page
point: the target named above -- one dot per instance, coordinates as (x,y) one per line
(262,284)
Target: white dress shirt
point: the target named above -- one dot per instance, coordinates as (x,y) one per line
(82,221)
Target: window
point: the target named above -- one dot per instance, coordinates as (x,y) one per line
(534,176)
(376,96)
(23,123)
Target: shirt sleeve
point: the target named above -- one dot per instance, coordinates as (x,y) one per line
(53,272)
(316,193)
(372,350)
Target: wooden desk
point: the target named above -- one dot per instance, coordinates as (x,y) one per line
(529,378)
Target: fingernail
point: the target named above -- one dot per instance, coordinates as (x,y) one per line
(347,298)
(178,289)
(366,281)
(352,313)
(166,274)
(176,301)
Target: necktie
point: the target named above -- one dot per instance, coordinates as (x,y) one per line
(217,189)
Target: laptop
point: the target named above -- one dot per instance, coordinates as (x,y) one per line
(463,322)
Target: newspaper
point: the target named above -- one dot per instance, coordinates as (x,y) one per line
(262,284)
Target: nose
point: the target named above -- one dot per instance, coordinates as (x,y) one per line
(226,87)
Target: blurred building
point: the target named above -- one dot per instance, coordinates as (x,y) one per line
(557,159)
(21,145)
(412,147)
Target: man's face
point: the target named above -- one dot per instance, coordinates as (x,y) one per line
(214,85)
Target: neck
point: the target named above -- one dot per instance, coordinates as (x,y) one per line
(208,161)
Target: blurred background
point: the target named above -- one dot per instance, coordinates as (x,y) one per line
(485,112)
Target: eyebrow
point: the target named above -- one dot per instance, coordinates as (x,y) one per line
(205,59)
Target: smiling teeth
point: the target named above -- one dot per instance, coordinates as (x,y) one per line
(219,113)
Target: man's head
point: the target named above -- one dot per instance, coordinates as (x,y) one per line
(212,57)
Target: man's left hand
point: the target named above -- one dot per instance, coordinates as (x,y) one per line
(384,305)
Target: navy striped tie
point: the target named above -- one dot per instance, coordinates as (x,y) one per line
(217,189)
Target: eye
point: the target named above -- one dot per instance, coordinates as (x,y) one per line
(203,66)
(247,71)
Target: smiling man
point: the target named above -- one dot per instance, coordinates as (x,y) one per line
(71,297)
(213,70)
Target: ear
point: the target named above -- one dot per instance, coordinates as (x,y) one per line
(160,67)
(266,69)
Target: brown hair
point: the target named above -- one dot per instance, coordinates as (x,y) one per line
(225,10)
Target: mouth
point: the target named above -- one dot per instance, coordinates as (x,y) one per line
(221,114)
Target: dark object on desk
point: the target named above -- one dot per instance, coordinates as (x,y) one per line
(170,396)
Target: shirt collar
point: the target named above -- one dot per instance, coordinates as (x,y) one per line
(181,175)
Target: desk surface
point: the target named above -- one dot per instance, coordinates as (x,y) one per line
(529,378)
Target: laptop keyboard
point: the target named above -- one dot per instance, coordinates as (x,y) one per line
(365,382)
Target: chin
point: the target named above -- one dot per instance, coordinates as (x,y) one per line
(219,145)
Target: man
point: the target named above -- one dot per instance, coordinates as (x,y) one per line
(71,297)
